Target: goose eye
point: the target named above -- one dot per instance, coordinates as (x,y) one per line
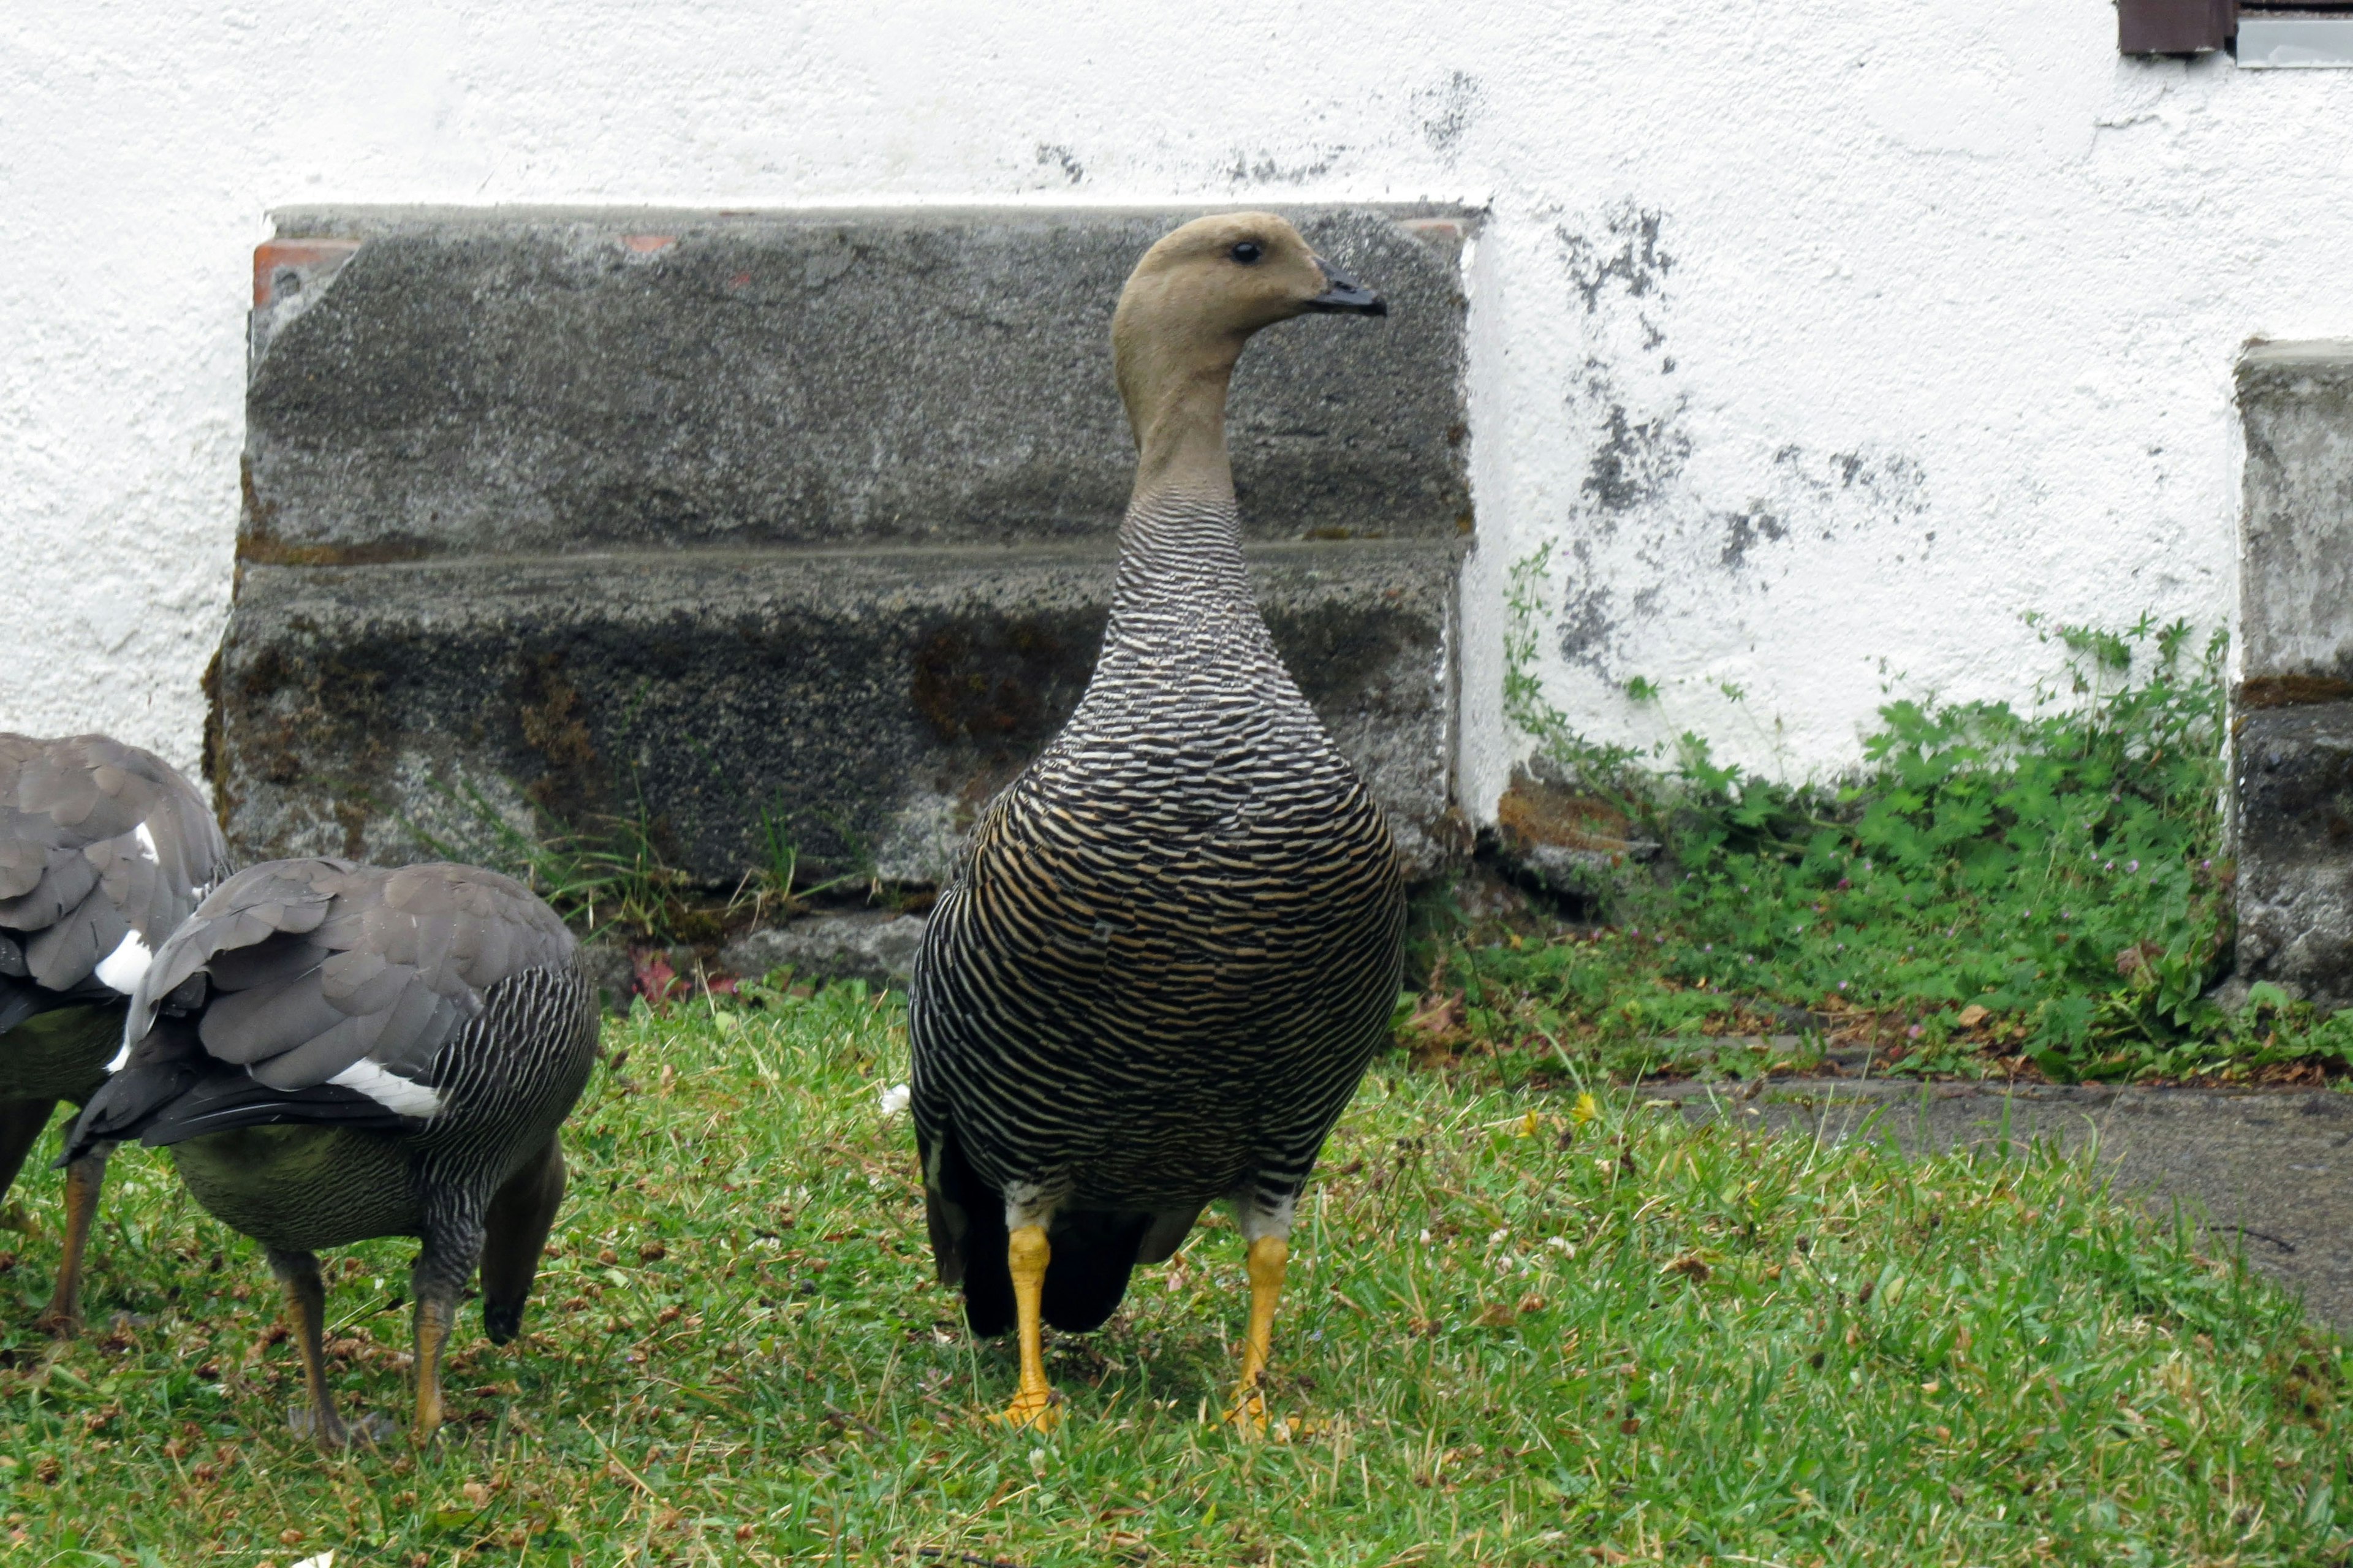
(1246,252)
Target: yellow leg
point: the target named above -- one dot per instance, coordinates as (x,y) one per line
(1268,1256)
(432,1334)
(1026,1254)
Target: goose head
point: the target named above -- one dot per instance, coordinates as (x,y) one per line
(1200,294)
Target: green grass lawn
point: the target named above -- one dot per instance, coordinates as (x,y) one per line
(1521,1329)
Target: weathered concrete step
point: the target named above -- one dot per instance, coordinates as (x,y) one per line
(796,516)
(866,703)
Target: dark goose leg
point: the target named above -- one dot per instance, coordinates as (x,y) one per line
(84,1178)
(306,1310)
(514,1235)
(452,1249)
(21,1121)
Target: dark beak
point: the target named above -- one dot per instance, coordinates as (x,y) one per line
(1343,295)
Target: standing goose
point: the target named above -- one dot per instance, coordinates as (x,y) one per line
(104,850)
(334,1052)
(1172,944)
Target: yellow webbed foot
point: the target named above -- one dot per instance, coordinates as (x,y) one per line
(1247,1415)
(1039,1411)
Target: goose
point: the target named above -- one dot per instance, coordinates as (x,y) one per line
(1170,947)
(104,848)
(333,1052)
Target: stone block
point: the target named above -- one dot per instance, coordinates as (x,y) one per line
(2292,725)
(795,525)
(2296,564)
(873,945)
(2295,850)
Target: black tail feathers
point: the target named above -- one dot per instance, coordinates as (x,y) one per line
(1092,1255)
(163,1066)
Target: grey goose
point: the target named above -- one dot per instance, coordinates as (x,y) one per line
(1171,946)
(104,848)
(333,1052)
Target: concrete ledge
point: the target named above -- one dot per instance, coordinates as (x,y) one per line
(2294,789)
(871,703)
(2293,728)
(435,381)
(2296,576)
(798,516)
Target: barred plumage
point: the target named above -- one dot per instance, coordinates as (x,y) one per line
(334,1052)
(104,848)
(1171,946)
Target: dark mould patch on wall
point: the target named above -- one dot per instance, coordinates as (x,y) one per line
(1054,156)
(1625,252)
(1586,621)
(1265,170)
(1449,110)
(1744,529)
(1891,482)
(1636,458)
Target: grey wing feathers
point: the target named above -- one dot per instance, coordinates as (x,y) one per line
(316,966)
(99,842)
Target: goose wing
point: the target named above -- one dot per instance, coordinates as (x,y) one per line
(328,991)
(104,850)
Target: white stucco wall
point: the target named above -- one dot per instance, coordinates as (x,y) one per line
(1821,340)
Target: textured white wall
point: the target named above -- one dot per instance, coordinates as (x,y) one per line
(1822,340)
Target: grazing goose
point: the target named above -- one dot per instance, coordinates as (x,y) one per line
(1172,945)
(334,1052)
(103,850)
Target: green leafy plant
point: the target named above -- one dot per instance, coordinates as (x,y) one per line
(1995,889)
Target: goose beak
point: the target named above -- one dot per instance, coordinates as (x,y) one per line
(1344,295)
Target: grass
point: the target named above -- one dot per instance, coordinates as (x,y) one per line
(1523,1329)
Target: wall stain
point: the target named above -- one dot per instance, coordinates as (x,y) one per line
(1625,252)
(1266,171)
(1450,110)
(1636,458)
(1744,529)
(1054,156)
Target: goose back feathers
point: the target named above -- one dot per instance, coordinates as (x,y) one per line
(328,993)
(104,850)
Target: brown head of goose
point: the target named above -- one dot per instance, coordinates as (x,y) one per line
(333,1052)
(104,850)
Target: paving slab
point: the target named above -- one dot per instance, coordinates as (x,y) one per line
(2268,1170)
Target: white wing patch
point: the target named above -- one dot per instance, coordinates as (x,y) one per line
(120,1057)
(389,1090)
(147,845)
(120,969)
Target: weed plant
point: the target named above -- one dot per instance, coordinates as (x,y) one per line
(1520,1329)
(1998,891)
(615,875)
